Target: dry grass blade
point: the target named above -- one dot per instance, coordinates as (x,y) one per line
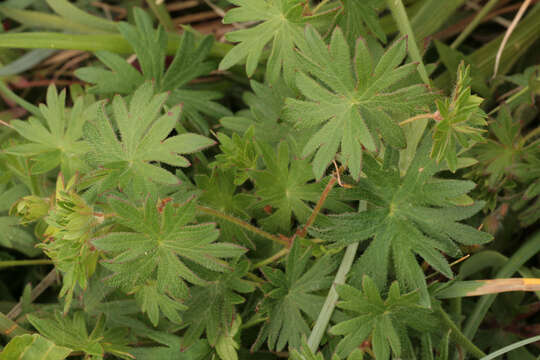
(509,31)
(505,285)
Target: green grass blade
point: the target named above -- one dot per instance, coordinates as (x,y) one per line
(511,347)
(400,15)
(110,42)
(69,11)
(36,19)
(473,24)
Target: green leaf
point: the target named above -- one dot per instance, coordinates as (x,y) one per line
(349,100)
(354,11)
(73,334)
(13,236)
(385,320)
(291,298)
(212,308)
(220,192)
(151,260)
(58,143)
(286,185)
(150,47)
(281,25)
(33,347)
(459,122)
(143,140)
(408,216)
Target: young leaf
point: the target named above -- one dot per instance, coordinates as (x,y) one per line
(460,122)
(386,321)
(281,24)
(71,223)
(290,299)
(350,101)
(408,216)
(58,143)
(143,140)
(150,47)
(151,260)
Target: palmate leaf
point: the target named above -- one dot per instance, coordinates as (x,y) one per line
(290,299)
(58,141)
(143,139)
(386,321)
(286,185)
(151,260)
(460,121)
(350,101)
(72,332)
(407,216)
(353,11)
(211,308)
(265,104)
(150,47)
(281,24)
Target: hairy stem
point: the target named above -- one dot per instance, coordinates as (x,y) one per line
(458,336)
(243,224)
(318,207)
(271,259)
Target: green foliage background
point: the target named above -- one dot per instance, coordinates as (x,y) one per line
(327,184)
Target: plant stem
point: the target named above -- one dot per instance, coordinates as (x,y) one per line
(531,134)
(318,207)
(458,336)
(400,16)
(11,263)
(271,259)
(4,89)
(162,14)
(417,117)
(10,328)
(38,290)
(243,224)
